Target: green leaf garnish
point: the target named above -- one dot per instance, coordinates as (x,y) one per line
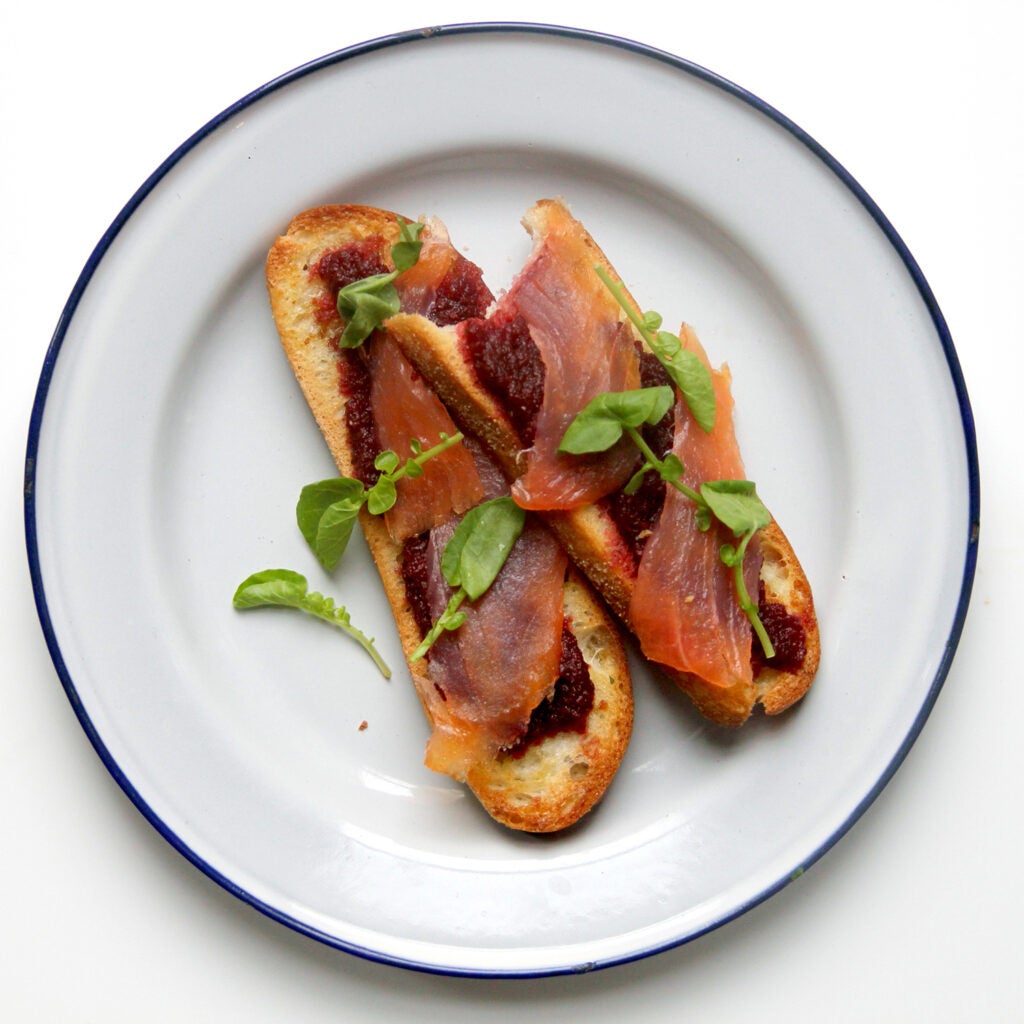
(472,559)
(326,513)
(686,370)
(382,495)
(734,503)
(406,251)
(327,510)
(288,589)
(481,544)
(365,304)
(602,421)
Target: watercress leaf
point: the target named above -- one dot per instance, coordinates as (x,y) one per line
(693,379)
(635,408)
(736,504)
(271,587)
(374,286)
(416,445)
(413,469)
(454,621)
(480,545)
(365,305)
(381,496)
(702,517)
(335,530)
(666,346)
(386,462)
(600,423)
(590,432)
(406,251)
(651,320)
(671,468)
(316,498)
(635,482)
(729,555)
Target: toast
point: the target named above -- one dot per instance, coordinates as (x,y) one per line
(601,540)
(560,762)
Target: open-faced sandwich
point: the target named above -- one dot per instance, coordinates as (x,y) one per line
(518,666)
(620,436)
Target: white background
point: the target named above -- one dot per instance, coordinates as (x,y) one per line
(914,916)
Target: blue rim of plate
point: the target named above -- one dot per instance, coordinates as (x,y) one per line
(420,36)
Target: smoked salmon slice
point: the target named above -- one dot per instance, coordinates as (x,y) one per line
(586,350)
(405,410)
(684,607)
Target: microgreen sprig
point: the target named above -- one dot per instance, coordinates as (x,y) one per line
(365,304)
(472,559)
(685,368)
(284,588)
(327,510)
(734,503)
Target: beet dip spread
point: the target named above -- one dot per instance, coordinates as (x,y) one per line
(635,514)
(460,294)
(568,708)
(786,633)
(507,363)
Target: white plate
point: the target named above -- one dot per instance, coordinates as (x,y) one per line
(169,442)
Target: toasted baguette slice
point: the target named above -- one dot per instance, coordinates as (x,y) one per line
(556,779)
(589,533)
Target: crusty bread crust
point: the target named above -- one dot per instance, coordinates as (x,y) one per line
(589,534)
(558,779)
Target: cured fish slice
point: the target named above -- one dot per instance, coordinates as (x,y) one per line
(586,347)
(483,688)
(684,607)
(404,409)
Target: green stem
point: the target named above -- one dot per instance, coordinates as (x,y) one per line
(747,603)
(656,463)
(324,608)
(619,292)
(441,625)
(367,644)
(443,445)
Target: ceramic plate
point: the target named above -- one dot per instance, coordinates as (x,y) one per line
(169,442)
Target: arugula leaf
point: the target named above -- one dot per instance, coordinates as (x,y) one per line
(288,589)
